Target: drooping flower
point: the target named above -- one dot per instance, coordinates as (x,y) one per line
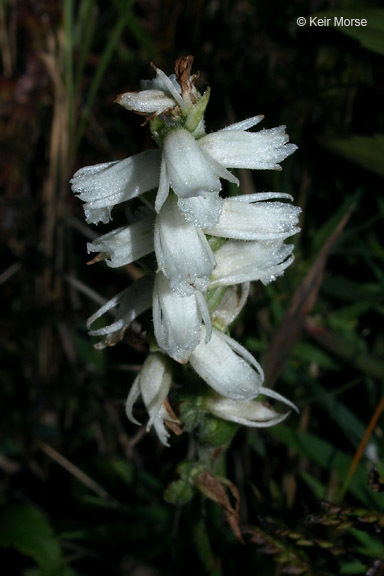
(192,168)
(240,261)
(227,367)
(127,244)
(249,413)
(130,303)
(164,93)
(190,172)
(103,186)
(235,147)
(250,217)
(182,250)
(178,320)
(153,383)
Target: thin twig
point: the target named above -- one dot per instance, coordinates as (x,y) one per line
(74,470)
(9,272)
(81,287)
(360,451)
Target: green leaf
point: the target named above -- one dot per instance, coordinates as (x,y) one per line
(369,546)
(370,36)
(351,291)
(352,567)
(367,151)
(328,457)
(124,469)
(318,488)
(325,231)
(352,427)
(28,530)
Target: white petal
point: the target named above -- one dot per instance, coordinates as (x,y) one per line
(182,251)
(256,221)
(104,185)
(241,261)
(248,413)
(257,150)
(127,244)
(160,429)
(153,383)
(133,395)
(189,171)
(170,84)
(261,196)
(203,211)
(163,189)
(146,101)
(159,83)
(177,320)
(131,302)
(226,367)
(244,124)
(276,396)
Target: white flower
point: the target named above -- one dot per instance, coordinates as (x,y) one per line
(182,250)
(103,186)
(146,101)
(247,412)
(126,244)
(230,304)
(248,217)
(245,261)
(161,94)
(234,147)
(131,302)
(178,320)
(158,95)
(190,172)
(193,167)
(153,383)
(202,211)
(167,84)
(207,248)
(227,367)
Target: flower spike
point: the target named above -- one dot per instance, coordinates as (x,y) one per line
(193,248)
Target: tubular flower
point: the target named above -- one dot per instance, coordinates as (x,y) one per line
(130,303)
(240,261)
(127,244)
(178,320)
(191,173)
(249,217)
(246,412)
(234,147)
(182,251)
(153,383)
(105,185)
(201,250)
(227,367)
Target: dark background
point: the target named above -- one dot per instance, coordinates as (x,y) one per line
(81,489)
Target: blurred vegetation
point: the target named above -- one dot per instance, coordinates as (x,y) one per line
(81,489)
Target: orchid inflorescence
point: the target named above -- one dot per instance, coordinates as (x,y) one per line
(207,248)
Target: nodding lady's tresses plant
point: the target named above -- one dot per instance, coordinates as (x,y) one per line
(206,248)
